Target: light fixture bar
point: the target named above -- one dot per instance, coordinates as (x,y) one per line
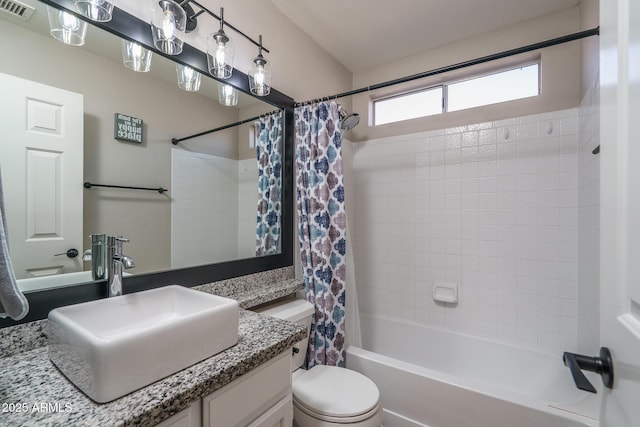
(226,23)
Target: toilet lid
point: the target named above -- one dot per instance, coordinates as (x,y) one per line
(335,392)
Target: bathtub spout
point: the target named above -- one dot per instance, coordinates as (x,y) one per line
(602,365)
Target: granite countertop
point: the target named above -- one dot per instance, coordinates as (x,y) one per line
(29,381)
(33,392)
(251,293)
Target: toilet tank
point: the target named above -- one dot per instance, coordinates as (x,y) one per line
(298,311)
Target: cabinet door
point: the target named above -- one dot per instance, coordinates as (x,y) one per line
(280,415)
(250,396)
(190,417)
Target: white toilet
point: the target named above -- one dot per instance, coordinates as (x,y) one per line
(326,396)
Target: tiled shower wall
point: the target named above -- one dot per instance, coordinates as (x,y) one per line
(211,201)
(491,207)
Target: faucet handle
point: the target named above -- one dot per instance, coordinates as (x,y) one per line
(601,364)
(122,239)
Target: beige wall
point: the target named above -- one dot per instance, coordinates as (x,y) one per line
(560,75)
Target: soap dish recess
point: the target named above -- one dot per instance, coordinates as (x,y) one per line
(445,292)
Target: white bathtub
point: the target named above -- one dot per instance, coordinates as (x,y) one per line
(429,377)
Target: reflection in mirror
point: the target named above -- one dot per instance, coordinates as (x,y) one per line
(217,189)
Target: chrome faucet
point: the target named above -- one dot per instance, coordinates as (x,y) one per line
(117,261)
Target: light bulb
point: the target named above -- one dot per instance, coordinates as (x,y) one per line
(66,27)
(69,22)
(220,55)
(189,74)
(259,76)
(136,57)
(168,25)
(188,78)
(227,95)
(136,50)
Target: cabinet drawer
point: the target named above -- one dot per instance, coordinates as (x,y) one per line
(246,398)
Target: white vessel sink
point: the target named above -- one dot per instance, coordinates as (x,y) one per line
(111,347)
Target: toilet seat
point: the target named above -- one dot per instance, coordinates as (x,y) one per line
(336,395)
(336,419)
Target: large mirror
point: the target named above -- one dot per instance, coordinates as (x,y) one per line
(208,214)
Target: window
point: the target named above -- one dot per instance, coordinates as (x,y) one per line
(504,85)
(408,106)
(507,85)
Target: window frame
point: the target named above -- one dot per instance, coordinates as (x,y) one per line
(444,85)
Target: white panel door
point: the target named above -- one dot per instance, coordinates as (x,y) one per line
(620,207)
(41,160)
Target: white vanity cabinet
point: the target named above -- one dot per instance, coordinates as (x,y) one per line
(190,417)
(259,398)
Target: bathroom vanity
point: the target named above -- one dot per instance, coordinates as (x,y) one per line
(247,384)
(262,398)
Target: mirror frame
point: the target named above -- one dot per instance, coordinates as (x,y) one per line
(131,28)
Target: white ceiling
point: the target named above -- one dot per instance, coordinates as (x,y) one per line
(363,34)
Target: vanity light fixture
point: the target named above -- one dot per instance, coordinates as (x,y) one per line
(172,19)
(188,78)
(168,26)
(227,95)
(135,57)
(220,52)
(260,74)
(66,27)
(96,10)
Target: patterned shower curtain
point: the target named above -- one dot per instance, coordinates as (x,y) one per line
(321,234)
(268,132)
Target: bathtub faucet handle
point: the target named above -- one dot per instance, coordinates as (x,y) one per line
(602,365)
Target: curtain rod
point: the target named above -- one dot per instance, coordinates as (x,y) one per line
(175,141)
(511,52)
(160,190)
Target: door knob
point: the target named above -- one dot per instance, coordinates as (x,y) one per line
(71,253)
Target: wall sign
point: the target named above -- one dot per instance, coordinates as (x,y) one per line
(127,128)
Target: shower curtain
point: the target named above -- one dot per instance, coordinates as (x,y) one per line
(321,232)
(268,131)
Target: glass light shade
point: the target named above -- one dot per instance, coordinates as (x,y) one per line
(168,26)
(188,78)
(136,57)
(260,76)
(65,27)
(96,10)
(227,95)
(220,53)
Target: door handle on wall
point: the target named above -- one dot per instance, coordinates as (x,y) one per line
(602,365)
(71,253)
